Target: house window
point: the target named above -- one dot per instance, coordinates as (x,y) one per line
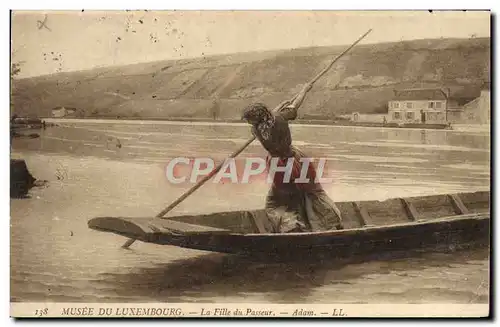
(435,105)
(409,105)
(395,105)
(396,115)
(410,115)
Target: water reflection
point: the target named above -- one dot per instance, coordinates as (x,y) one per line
(209,277)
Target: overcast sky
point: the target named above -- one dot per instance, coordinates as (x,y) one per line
(81,40)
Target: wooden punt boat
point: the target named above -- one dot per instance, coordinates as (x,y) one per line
(371,227)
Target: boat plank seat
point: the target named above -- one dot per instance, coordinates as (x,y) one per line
(458,205)
(476,201)
(362,214)
(411,212)
(378,213)
(433,206)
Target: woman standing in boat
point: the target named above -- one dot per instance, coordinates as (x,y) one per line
(291,207)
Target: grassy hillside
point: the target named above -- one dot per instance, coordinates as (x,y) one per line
(221,86)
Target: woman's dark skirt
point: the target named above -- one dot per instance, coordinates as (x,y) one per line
(300,207)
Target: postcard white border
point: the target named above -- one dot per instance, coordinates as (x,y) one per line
(244,310)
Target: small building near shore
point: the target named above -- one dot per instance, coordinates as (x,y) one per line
(478,110)
(418,106)
(368,118)
(60,112)
(473,110)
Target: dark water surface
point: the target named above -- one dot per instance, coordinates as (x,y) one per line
(55,257)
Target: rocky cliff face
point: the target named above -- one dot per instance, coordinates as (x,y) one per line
(221,86)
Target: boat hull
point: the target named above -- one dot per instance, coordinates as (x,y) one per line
(372,227)
(449,232)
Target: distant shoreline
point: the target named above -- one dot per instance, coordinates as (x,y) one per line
(188,120)
(234,122)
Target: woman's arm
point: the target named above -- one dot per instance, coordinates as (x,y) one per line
(289,109)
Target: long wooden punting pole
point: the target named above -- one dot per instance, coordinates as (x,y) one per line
(243,147)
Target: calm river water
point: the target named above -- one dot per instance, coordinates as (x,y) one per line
(55,257)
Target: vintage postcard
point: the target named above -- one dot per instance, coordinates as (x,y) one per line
(180,164)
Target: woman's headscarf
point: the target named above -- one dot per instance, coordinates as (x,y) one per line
(260,116)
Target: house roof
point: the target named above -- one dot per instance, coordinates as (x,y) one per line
(420,94)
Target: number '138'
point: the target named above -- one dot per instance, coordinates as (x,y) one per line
(41,312)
